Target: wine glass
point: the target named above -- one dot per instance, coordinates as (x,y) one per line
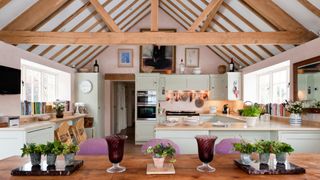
(116,148)
(205,152)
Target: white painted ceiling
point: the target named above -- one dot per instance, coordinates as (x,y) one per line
(126,13)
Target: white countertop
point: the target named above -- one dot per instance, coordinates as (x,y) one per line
(29,126)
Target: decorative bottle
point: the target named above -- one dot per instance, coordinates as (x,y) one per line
(231,66)
(96,66)
(181,67)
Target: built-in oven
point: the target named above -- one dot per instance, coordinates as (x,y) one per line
(146,105)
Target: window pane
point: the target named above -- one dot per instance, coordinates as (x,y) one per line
(264,89)
(33,85)
(280,90)
(49,87)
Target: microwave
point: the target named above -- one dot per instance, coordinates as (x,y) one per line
(146,112)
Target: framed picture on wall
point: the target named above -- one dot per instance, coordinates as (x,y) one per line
(192,57)
(125,57)
(158,58)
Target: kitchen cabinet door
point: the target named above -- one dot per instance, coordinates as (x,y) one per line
(176,82)
(162,88)
(147,82)
(197,82)
(144,131)
(218,87)
(234,85)
(40,136)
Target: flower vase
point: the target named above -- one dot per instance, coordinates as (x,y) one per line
(51,159)
(264,158)
(59,114)
(295,119)
(281,157)
(35,159)
(245,158)
(158,162)
(69,158)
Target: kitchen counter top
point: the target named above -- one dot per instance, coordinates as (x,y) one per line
(67,118)
(275,124)
(95,168)
(29,126)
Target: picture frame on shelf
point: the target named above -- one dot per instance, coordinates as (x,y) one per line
(125,57)
(158,58)
(192,57)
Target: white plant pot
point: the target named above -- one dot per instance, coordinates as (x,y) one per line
(158,162)
(251,121)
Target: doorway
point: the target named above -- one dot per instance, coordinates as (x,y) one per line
(123,108)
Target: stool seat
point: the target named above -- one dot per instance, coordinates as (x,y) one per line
(225,146)
(94,146)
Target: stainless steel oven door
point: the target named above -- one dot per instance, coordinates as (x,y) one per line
(146,112)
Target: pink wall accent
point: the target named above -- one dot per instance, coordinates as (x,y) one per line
(11,56)
(108,59)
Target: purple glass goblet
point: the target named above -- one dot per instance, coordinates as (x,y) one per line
(115,149)
(205,152)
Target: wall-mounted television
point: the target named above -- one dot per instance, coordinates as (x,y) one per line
(10,80)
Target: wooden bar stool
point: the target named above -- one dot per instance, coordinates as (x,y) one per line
(80,132)
(63,134)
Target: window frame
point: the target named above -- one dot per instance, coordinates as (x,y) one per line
(24,69)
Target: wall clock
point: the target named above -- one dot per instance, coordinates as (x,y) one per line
(85,86)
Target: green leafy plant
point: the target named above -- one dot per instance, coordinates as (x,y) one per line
(263,146)
(68,149)
(32,148)
(162,151)
(251,111)
(281,147)
(55,147)
(244,147)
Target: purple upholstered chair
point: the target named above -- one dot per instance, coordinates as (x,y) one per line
(225,146)
(154,142)
(94,146)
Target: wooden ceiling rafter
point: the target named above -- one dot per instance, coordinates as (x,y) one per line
(94,57)
(176,13)
(207,14)
(124,10)
(211,15)
(34,15)
(128,28)
(154,15)
(4,3)
(130,14)
(248,23)
(105,16)
(186,28)
(310,7)
(181,11)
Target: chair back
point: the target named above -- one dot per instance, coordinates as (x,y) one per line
(225,146)
(80,133)
(63,134)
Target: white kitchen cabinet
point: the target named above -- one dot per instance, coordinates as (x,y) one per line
(197,82)
(184,139)
(13,138)
(176,82)
(144,131)
(147,81)
(302,141)
(225,86)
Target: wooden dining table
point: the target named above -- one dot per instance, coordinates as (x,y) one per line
(94,167)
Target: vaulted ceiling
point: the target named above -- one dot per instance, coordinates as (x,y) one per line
(193,15)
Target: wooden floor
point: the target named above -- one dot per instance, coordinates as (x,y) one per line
(130,148)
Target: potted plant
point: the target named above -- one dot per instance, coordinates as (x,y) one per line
(295,110)
(160,152)
(34,151)
(264,148)
(246,149)
(52,150)
(281,149)
(59,107)
(69,152)
(251,114)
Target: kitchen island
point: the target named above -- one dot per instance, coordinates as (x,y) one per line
(94,168)
(304,138)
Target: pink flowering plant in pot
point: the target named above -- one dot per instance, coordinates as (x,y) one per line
(160,152)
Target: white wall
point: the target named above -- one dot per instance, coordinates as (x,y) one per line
(11,56)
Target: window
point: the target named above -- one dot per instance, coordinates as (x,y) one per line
(273,86)
(38,85)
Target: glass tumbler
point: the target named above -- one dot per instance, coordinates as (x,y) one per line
(205,152)
(115,149)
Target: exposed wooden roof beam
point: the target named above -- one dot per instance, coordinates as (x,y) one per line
(3,3)
(130,14)
(274,14)
(211,15)
(212,6)
(154,15)
(35,14)
(310,6)
(161,38)
(105,16)
(94,57)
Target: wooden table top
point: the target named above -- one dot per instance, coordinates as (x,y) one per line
(94,168)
